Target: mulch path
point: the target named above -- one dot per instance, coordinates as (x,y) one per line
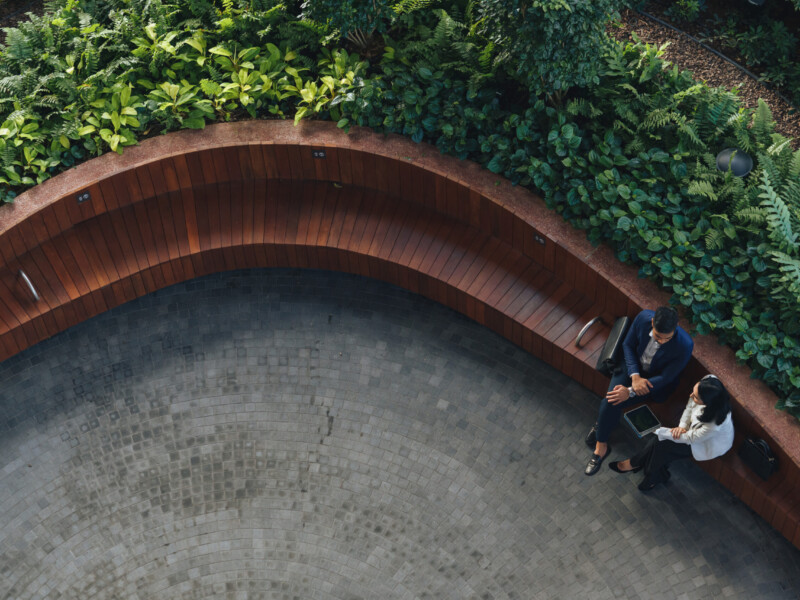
(708,67)
(14,11)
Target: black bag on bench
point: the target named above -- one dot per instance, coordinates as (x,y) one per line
(756,454)
(610,358)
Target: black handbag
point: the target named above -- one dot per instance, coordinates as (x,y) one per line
(755,453)
(610,358)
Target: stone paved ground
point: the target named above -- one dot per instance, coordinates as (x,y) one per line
(308,435)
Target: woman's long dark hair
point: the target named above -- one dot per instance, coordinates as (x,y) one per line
(715,399)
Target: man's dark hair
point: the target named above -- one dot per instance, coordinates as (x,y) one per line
(666,319)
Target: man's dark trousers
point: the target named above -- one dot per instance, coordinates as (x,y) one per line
(610,414)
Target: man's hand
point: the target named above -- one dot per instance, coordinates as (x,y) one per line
(640,385)
(677,431)
(618,394)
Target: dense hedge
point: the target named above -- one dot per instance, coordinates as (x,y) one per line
(628,156)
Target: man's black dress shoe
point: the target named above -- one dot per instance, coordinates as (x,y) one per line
(594,463)
(591,437)
(614,466)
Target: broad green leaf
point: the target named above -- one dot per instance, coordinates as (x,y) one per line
(221,51)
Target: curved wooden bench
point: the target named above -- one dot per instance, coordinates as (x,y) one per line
(261,194)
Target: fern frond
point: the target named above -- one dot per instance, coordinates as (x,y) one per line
(11,85)
(582,107)
(744,138)
(625,112)
(18,48)
(409,6)
(690,132)
(714,239)
(486,57)
(51,102)
(778,147)
(790,270)
(768,164)
(8,155)
(751,215)
(777,215)
(659,118)
(794,165)
(704,189)
(763,125)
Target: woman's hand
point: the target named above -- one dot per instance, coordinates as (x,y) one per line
(677,431)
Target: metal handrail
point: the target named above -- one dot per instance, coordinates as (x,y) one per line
(27,281)
(586,327)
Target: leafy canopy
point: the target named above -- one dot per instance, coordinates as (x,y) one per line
(554,45)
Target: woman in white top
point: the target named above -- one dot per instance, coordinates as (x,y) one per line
(705,432)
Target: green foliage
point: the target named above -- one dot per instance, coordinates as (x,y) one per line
(553,45)
(85,80)
(356,20)
(770,48)
(769,43)
(686,10)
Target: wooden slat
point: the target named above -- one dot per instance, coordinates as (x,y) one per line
(526,294)
(396,225)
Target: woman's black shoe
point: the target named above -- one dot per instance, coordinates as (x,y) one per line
(646,485)
(614,466)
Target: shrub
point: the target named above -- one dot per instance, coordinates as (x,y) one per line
(767,44)
(356,20)
(554,45)
(686,10)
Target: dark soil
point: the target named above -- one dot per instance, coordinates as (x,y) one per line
(705,65)
(13,11)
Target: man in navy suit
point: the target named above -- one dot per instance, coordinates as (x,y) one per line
(656,352)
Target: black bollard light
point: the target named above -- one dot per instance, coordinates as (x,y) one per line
(736,161)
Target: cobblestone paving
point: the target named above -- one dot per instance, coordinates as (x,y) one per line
(307,435)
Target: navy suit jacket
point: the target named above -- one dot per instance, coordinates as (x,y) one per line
(669,361)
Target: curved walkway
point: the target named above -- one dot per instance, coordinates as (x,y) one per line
(310,435)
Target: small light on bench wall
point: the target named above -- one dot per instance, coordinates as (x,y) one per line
(539,238)
(318,153)
(83,197)
(736,161)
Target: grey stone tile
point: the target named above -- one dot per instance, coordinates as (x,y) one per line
(300,435)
